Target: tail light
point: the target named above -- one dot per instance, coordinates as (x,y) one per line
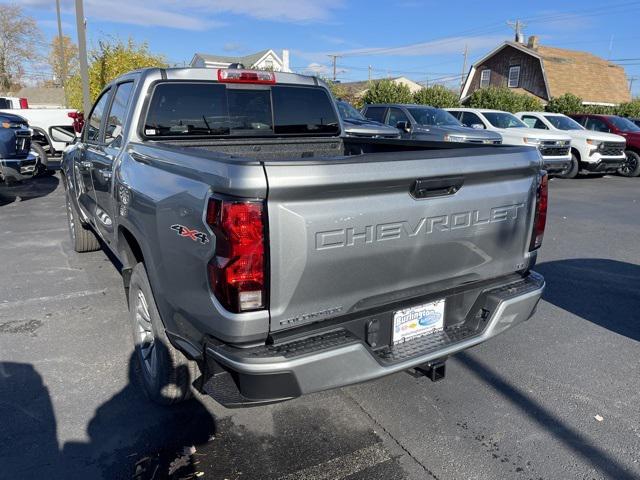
(78,120)
(24,103)
(230,75)
(237,272)
(540,218)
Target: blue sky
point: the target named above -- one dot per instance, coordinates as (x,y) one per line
(420,39)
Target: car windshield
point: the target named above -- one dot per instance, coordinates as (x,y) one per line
(503,120)
(433,116)
(348,112)
(563,123)
(624,124)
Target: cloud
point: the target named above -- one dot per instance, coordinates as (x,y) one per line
(276,10)
(316,69)
(233,47)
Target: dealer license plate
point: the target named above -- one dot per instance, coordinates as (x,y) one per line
(419,320)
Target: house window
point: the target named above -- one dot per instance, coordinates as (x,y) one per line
(268,64)
(485,78)
(514,76)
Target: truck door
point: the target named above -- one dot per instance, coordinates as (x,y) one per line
(395,116)
(89,148)
(104,155)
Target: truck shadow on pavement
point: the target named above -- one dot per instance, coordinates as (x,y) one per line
(27,190)
(605,292)
(121,433)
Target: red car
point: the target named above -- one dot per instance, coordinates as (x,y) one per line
(620,126)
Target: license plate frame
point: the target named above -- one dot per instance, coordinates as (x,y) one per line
(418,320)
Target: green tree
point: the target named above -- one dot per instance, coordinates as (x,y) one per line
(567,103)
(437,96)
(386,91)
(502,98)
(629,109)
(108,61)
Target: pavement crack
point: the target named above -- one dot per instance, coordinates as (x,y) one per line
(390,435)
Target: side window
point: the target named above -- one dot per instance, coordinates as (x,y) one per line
(469,119)
(514,76)
(396,115)
(596,124)
(457,115)
(375,113)
(115,119)
(485,78)
(534,122)
(95,120)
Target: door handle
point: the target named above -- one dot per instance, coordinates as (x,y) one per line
(436,187)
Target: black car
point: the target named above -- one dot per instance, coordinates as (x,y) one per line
(357,125)
(16,161)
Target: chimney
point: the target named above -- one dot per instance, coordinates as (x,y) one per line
(285,61)
(533,42)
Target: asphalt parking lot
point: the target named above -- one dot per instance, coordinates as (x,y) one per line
(556,398)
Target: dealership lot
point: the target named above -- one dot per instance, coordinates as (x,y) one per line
(556,397)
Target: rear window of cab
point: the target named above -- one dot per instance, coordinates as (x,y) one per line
(210,109)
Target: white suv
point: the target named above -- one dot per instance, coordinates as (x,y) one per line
(555,148)
(591,151)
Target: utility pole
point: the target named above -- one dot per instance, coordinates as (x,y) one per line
(81,26)
(517,28)
(464,66)
(63,64)
(334,58)
(369,72)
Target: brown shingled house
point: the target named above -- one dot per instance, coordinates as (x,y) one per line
(547,72)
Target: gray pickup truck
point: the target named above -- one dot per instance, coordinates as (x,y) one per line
(265,255)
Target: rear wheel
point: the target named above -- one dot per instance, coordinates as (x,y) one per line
(165,373)
(631,166)
(574,168)
(82,238)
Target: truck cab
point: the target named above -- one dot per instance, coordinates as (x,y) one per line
(555,148)
(422,122)
(620,126)
(591,151)
(16,161)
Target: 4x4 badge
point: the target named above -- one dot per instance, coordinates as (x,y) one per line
(193,234)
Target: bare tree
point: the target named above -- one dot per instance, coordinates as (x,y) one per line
(20,41)
(70,66)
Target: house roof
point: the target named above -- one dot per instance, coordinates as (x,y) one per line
(588,76)
(247,60)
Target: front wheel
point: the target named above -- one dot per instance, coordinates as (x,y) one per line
(631,165)
(82,239)
(165,373)
(574,168)
(42,160)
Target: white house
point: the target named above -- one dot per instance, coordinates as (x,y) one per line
(266,59)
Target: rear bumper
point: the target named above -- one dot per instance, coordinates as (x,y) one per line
(17,169)
(556,164)
(338,358)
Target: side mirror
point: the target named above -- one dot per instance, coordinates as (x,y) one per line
(478,126)
(59,134)
(404,126)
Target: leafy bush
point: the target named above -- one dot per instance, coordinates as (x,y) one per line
(437,96)
(386,91)
(629,109)
(502,98)
(567,103)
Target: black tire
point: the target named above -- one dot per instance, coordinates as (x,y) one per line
(43,160)
(574,169)
(165,373)
(82,237)
(631,166)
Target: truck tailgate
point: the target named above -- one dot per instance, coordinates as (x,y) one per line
(350,234)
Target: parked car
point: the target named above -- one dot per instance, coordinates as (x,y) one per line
(41,121)
(635,120)
(281,257)
(620,126)
(554,148)
(357,125)
(16,161)
(421,122)
(591,152)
